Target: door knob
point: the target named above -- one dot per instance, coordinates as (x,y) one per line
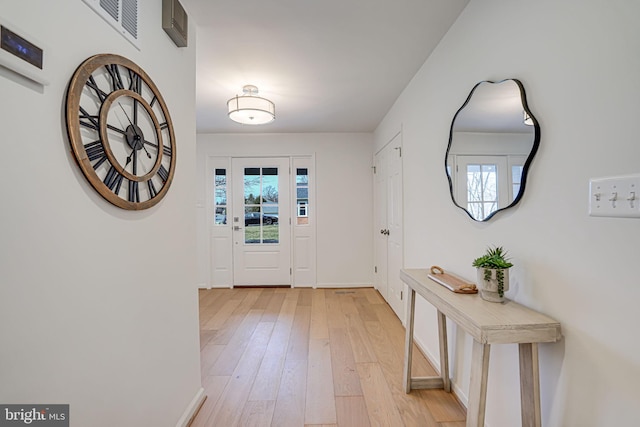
(237,227)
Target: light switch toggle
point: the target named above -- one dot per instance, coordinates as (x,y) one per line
(632,197)
(615,196)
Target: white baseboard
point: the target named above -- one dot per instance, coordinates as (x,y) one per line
(202,286)
(192,409)
(344,285)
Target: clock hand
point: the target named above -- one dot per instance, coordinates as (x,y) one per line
(134,168)
(133,127)
(145,149)
(127,116)
(129,158)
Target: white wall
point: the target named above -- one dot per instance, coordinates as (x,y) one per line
(343,189)
(97,304)
(579,63)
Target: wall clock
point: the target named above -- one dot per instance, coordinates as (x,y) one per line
(120,131)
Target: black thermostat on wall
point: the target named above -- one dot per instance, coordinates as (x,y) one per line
(20,47)
(21,53)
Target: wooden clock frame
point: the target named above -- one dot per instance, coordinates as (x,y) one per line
(102,131)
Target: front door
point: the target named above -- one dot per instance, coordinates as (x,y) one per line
(261,221)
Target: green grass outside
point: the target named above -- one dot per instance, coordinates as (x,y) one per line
(270,234)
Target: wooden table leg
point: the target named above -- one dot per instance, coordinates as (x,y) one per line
(444,352)
(408,340)
(478,384)
(530,385)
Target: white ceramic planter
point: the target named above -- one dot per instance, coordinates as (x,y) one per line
(489,288)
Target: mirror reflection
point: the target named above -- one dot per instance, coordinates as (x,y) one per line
(492,142)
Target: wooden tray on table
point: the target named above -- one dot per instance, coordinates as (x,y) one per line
(451,282)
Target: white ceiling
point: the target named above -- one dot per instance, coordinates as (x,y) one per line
(494,107)
(328,65)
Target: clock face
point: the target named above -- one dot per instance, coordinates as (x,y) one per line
(120,131)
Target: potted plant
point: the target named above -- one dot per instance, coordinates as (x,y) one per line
(493,274)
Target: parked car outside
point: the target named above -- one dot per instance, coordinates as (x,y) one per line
(253,218)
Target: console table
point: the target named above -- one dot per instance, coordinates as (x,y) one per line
(488,323)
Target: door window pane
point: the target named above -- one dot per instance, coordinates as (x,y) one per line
(220,196)
(302,196)
(261,223)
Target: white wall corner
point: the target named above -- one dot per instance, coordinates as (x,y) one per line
(192,409)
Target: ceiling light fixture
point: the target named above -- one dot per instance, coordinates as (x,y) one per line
(250,109)
(527,119)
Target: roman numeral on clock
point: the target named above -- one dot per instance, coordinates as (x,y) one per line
(89,121)
(135,82)
(113,180)
(152,189)
(95,151)
(163,173)
(91,83)
(116,79)
(134,192)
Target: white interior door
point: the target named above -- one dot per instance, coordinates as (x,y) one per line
(380,223)
(394,227)
(261,221)
(388,222)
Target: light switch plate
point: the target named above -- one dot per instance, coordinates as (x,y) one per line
(616,196)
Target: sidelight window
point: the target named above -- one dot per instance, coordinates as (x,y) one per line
(220,199)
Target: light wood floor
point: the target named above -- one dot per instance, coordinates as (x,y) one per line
(310,357)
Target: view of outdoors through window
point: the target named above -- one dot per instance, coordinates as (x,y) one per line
(261,209)
(302,196)
(261,205)
(220,200)
(482,194)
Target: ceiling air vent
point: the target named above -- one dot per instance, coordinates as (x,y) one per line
(121,15)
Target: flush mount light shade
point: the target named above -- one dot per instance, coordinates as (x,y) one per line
(249,109)
(527,119)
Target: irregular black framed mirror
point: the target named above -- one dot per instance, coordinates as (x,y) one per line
(492,142)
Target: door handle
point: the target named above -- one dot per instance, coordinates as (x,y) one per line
(385,232)
(237,227)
